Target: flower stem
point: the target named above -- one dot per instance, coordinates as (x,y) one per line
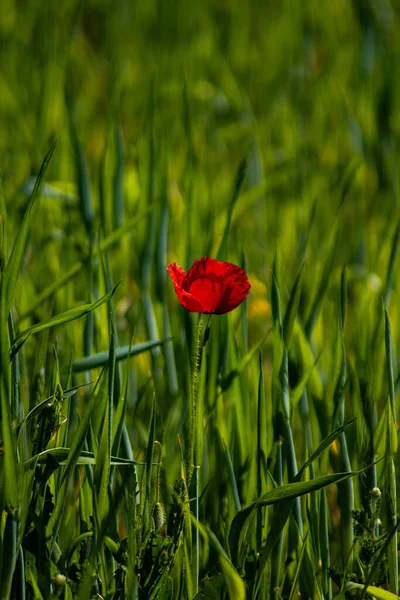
(200,341)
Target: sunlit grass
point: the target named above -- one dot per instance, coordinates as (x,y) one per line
(262,135)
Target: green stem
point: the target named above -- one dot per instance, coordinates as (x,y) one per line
(197,533)
(200,341)
(202,327)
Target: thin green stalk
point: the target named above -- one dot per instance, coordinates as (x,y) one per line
(276,561)
(289,442)
(346,488)
(10,554)
(197,533)
(202,328)
(20,576)
(391,449)
(324,547)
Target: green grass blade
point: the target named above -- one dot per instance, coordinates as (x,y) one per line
(234,583)
(223,250)
(118,180)
(100,359)
(292,309)
(323,282)
(391,265)
(78,441)
(149,471)
(9,494)
(13,266)
(9,554)
(66,317)
(294,592)
(82,175)
(284,509)
(389,365)
(275,291)
(103,458)
(284,492)
(61,455)
(111,240)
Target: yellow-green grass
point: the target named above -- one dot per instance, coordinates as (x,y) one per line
(265,134)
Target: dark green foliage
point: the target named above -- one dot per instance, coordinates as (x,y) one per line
(261,133)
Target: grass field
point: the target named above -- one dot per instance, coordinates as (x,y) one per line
(147,452)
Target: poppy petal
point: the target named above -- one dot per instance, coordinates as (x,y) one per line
(236,289)
(177,274)
(210,286)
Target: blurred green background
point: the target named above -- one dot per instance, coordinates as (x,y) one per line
(154,105)
(307,89)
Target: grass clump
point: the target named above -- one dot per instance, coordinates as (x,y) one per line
(267,468)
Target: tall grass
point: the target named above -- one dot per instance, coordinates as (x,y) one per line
(265,135)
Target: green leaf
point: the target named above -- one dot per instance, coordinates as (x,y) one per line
(391,265)
(100,359)
(292,308)
(234,583)
(275,291)
(240,367)
(374,591)
(222,253)
(57,515)
(65,317)
(212,588)
(82,175)
(85,458)
(288,492)
(39,407)
(293,591)
(119,417)
(9,553)
(13,266)
(389,366)
(323,282)
(9,494)
(307,360)
(105,244)
(149,469)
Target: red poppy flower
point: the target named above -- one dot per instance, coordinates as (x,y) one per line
(210,286)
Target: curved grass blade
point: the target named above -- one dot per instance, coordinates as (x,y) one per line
(100,359)
(292,308)
(293,591)
(103,457)
(323,282)
(85,458)
(9,554)
(10,493)
(234,583)
(391,266)
(65,317)
(78,441)
(105,244)
(284,492)
(82,174)
(14,262)
(118,179)
(284,508)
(391,449)
(149,464)
(375,592)
(222,253)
